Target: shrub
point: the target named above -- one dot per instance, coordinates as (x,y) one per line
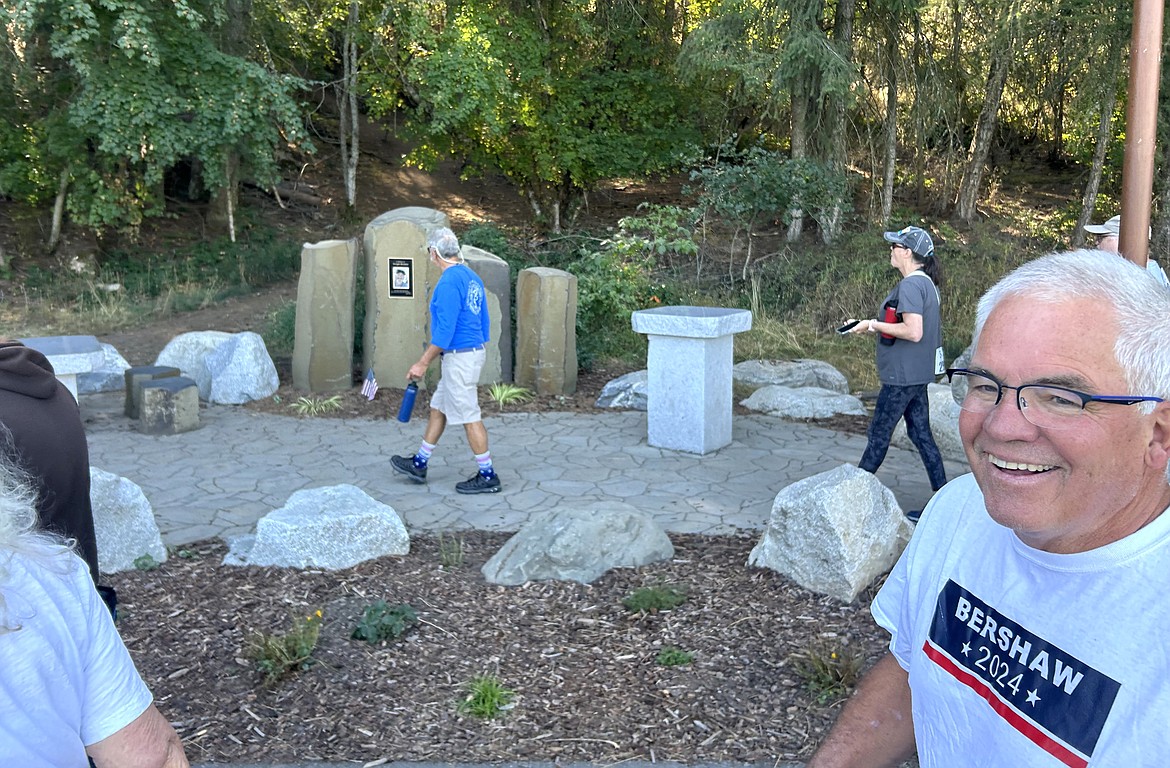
(660,597)
(486,698)
(829,670)
(381,622)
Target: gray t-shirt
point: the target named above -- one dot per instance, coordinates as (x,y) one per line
(904,363)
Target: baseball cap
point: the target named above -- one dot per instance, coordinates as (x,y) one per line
(1111,227)
(914,238)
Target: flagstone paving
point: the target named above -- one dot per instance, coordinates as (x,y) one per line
(218,480)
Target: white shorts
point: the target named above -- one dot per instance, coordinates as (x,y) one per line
(456,396)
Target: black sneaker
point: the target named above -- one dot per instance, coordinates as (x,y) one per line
(479,483)
(913,515)
(406,465)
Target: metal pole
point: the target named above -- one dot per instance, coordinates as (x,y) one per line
(1137,170)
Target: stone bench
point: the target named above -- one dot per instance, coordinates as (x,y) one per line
(138,375)
(168,406)
(69,356)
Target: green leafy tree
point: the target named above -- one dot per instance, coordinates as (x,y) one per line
(134,89)
(556,96)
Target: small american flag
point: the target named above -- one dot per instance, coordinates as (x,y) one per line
(370,386)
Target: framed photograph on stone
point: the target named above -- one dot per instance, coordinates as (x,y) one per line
(401,272)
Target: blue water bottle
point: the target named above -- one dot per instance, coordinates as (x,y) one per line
(407,406)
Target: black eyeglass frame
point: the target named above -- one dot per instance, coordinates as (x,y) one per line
(1084,397)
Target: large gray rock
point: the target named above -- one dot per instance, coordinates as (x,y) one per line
(228,368)
(334,527)
(790,373)
(628,391)
(578,545)
(123,522)
(241,370)
(803,402)
(188,352)
(110,375)
(944,424)
(833,533)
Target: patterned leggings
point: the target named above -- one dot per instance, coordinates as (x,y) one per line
(893,403)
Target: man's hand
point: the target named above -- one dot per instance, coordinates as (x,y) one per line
(417,371)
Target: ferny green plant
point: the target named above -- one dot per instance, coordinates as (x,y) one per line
(451,551)
(279,655)
(671,656)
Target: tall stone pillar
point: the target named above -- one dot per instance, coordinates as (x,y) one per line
(323,347)
(546,331)
(399,279)
(497,280)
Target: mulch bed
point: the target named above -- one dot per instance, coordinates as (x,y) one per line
(584,668)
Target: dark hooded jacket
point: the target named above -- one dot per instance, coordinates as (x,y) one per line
(45,437)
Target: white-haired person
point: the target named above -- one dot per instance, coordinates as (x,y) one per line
(1026,615)
(460,329)
(68,687)
(1109,239)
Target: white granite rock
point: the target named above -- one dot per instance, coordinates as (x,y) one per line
(333,527)
(578,544)
(188,352)
(109,376)
(834,532)
(628,391)
(803,402)
(790,373)
(123,522)
(241,370)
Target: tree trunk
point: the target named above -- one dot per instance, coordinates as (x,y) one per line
(59,209)
(890,129)
(799,143)
(347,105)
(843,38)
(984,130)
(1104,134)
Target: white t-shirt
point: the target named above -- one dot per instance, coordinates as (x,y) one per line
(1018,657)
(1155,270)
(66,679)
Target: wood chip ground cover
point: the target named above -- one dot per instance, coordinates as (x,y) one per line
(584,670)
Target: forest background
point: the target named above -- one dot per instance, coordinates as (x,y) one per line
(148,146)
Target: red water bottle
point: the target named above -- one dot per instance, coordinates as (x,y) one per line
(889,316)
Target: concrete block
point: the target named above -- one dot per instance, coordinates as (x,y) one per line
(168,406)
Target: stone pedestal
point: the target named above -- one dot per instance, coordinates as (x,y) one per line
(688,364)
(497,281)
(322,358)
(168,406)
(138,375)
(546,331)
(69,356)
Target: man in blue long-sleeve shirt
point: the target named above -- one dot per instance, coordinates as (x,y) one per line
(459,330)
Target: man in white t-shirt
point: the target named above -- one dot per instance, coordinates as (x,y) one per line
(1028,613)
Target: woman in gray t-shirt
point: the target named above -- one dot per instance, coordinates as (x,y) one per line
(909,352)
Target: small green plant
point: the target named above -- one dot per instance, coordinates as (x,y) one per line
(451,551)
(381,622)
(278,656)
(661,597)
(829,670)
(503,394)
(146,563)
(315,406)
(670,656)
(486,698)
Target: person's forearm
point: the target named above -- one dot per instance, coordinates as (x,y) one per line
(147,742)
(875,729)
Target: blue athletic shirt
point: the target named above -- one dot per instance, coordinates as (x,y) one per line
(459,316)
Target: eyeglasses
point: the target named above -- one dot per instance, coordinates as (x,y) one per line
(1045,405)
(896,245)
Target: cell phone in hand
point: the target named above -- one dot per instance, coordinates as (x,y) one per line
(848,326)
